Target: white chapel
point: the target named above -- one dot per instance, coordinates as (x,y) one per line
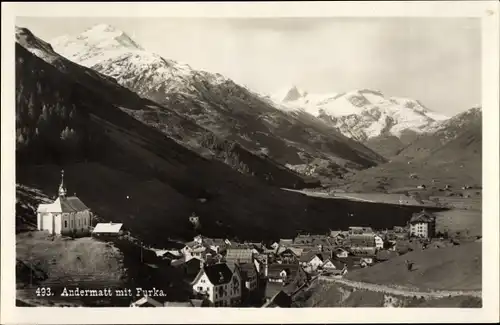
(67,215)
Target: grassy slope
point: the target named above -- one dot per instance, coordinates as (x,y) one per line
(87,263)
(334,295)
(449,268)
(456,163)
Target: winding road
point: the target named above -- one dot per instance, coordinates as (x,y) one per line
(401,291)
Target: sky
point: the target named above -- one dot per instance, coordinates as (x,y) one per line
(434,60)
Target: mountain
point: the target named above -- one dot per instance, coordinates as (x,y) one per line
(127,171)
(216,103)
(363,114)
(424,144)
(451,155)
(179,128)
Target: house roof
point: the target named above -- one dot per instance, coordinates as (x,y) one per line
(64,204)
(214,241)
(336,263)
(363,251)
(365,240)
(243,255)
(246,270)
(286,242)
(296,250)
(217,274)
(335,233)
(422,216)
(107,228)
(179,304)
(275,269)
(309,255)
(148,300)
(280,299)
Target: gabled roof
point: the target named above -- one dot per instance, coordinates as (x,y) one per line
(280,299)
(335,233)
(336,263)
(422,216)
(286,242)
(107,228)
(217,274)
(63,205)
(275,269)
(243,255)
(147,300)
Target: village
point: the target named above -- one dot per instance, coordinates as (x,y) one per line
(221,272)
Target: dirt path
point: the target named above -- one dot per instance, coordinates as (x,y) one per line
(400,291)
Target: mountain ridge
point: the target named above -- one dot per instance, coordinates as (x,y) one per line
(219,104)
(363,114)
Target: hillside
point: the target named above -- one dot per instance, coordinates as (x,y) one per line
(324,294)
(108,155)
(216,103)
(179,128)
(449,268)
(447,131)
(43,261)
(451,156)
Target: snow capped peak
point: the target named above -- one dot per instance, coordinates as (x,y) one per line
(364,113)
(95,44)
(102,28)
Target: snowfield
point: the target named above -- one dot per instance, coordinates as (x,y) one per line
(362,114)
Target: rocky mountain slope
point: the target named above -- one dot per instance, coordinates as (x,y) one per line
(363,114)
(449,130)
(452,155)
(217,103)
(179,128)
(127,171)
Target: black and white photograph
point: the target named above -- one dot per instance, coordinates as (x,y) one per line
(250,162)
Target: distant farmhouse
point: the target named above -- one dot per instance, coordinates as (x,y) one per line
(67,215)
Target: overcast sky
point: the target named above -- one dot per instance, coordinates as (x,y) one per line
(435,60)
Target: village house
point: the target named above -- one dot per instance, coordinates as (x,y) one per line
(335,267)
(107,229)
(239,255)
(194,220)
(279,300)
(379,241)
(423,225)
(286,273)
(286,242)
(219,285)
(288,255)
(261,262)
(189,303)
(194,249)
(146,301)
(217,245)
(361,241)
(340,252)
(249,279)
(313,260)
(360,230)
(67,215)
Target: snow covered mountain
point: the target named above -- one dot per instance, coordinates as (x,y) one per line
(363,114)
(215,102)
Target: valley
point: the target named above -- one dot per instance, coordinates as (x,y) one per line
(198,169)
